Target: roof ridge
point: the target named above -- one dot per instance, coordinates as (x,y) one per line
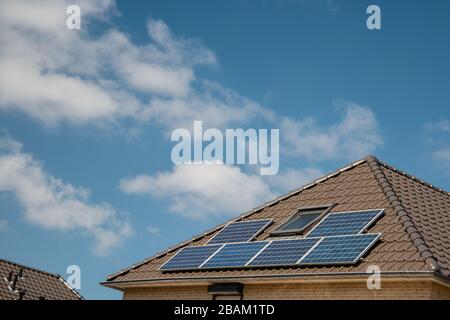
(410,176)
(70,288)
(242,216)
(403,215)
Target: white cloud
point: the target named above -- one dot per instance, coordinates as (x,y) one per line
(3,224)
(54,97)
(199,191)
(52,204)
(439,126)
(202,190)
(57,75)
(355,135)
(139,184)
(438,135)
(442,154)
(154,231)
(217,107)
(154,78)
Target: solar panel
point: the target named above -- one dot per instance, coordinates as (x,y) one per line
(283,252)
(344,223)
(234,254)
(190,257)
(340,249)
(240,231)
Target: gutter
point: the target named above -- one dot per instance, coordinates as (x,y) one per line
(312,276)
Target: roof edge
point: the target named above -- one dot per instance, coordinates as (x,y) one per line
(403,215)
(70,288)
(316,275)
(425,183)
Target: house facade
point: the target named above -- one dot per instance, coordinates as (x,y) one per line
(407,256)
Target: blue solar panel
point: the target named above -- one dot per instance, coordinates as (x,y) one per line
(284,252)
(234,254)
(190,257)
(341,249)
(344,223)
(240,231)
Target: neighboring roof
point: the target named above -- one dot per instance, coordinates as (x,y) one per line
(35,284)
(415,226)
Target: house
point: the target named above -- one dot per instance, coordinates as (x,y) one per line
(19,282)
(325,240)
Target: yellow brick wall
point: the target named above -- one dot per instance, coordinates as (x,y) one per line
(440,292)
(324,290)
(168,293)
(353,291)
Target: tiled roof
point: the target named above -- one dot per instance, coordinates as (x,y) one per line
(415,227)
(32,284)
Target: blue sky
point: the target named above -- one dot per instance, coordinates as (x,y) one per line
(86,176)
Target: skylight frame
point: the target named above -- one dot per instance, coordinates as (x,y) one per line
(302,211)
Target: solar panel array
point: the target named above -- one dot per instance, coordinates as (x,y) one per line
(317,251)
(344,223)
(328,243)
(240,231)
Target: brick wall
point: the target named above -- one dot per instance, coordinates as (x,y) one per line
(324,290)
(353,291)
(168,293)
(440,292)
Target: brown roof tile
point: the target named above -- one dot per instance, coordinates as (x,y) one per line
(415,222)
(35,284)
(428,210)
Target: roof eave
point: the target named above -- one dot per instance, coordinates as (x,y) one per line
(347,276)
